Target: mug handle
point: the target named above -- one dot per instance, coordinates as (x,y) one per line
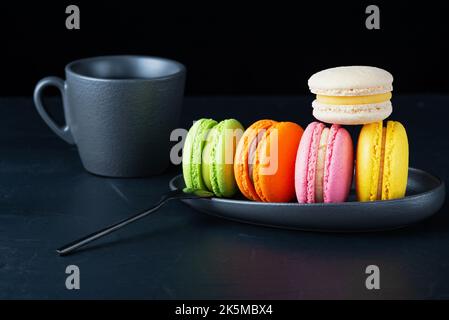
(62,131)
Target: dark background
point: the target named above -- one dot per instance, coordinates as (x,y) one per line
(47,198)
(228,47)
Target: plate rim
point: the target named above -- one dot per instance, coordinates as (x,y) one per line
(441,185)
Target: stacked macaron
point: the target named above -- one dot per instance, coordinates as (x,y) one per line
(351,95)
(279,161)
(357,95)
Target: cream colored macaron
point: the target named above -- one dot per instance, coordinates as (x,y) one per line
(351,95)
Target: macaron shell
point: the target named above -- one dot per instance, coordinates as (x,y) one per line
(274,170)
(369,147)
(351,81)
(241,168)
(395,172)
(305,166)
(192,151)
(221,151)
(352,114)
(339,166)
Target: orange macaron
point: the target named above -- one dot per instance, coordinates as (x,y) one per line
(264,164)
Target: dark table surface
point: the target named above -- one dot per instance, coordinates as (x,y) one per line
(47,199)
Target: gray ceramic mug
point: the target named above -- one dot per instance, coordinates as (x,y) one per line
(119,111)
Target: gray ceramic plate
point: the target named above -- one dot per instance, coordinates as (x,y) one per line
(425,196)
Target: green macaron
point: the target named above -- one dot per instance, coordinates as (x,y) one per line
(192,151)
(218,158)
(208,156)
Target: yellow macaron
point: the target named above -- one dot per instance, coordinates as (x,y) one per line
(382,162)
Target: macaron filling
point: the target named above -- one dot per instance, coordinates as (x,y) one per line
(320,166)
(382,163)
(252,152)
(353,100)
(208,157)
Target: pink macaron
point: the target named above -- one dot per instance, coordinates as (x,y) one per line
(324,164)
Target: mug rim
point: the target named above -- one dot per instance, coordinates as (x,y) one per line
(69,68)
